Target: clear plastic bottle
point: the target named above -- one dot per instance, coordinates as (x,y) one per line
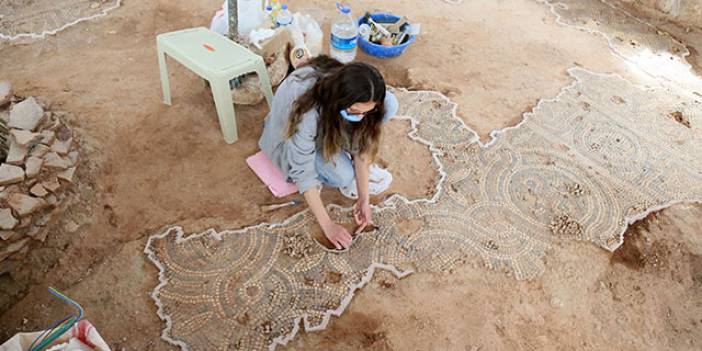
(344,35)
(275,5)
(269,16)
(284,17)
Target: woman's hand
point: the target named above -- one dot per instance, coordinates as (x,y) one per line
(337,234)
(362,214)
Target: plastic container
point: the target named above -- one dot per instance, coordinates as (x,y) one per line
(344,35)
(269,16)
(383,51)
(284,17)
(250,15)
(313,37)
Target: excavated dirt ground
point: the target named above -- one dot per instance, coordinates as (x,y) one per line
(150,165)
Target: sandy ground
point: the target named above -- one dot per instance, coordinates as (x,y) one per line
(150,165)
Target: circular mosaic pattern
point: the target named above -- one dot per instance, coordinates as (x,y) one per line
(504,204)
(23,19)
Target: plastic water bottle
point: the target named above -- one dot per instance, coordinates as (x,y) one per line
(269,16)
(284,17)
(344,35)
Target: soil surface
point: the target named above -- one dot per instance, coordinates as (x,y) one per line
(149,165)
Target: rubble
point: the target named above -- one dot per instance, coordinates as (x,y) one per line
(61,147)
(67,175)
(7,220)
(10,174)
(53,160)
(8,250)
(48,137)
(51,185)
(8,235)
(26,115)
(33,166)
(25,138)
(16,154)
(249,92)
(5,92)
(38,190)
(37,150)
(24,204)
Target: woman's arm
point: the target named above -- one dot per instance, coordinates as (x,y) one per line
(301,158)
(362,211)
(361,163)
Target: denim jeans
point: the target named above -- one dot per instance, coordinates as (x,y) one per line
(336,173)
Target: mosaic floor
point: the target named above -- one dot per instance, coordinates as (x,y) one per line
(22,19)
(580,167)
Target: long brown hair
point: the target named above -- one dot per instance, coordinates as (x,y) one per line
(339,86)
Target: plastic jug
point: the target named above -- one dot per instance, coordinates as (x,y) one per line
(344,35)
(251,15)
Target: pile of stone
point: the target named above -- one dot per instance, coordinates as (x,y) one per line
(40,164)
(249,92)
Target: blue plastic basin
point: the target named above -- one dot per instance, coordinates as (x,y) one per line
(383,51)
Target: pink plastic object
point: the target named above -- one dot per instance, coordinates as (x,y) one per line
(270,175)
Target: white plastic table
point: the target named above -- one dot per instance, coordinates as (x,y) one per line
(216,59)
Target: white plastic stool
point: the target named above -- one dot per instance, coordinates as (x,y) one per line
(216,59)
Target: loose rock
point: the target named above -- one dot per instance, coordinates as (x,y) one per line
(24,137)
(24,204)
(8,235)
(53,160)
(249,93)
(12,248)
(38,190)
(67,175)
(38,233)
(24,222)
(7,220)
(9,190)
(51,185)
(33,166)
(5,92)
(62,147)
(48,137)
(26,114)
(51,199)
(43,220)
(16,154)
(39,150)
(73,157)
(10,174)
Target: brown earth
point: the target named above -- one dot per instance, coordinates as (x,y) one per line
(150,165)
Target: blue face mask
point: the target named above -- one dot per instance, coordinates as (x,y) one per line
(349,117)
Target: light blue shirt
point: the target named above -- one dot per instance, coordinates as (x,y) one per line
(295,156)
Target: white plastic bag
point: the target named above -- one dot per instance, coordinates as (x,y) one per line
(312,33)
(82,337)
(251,16)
